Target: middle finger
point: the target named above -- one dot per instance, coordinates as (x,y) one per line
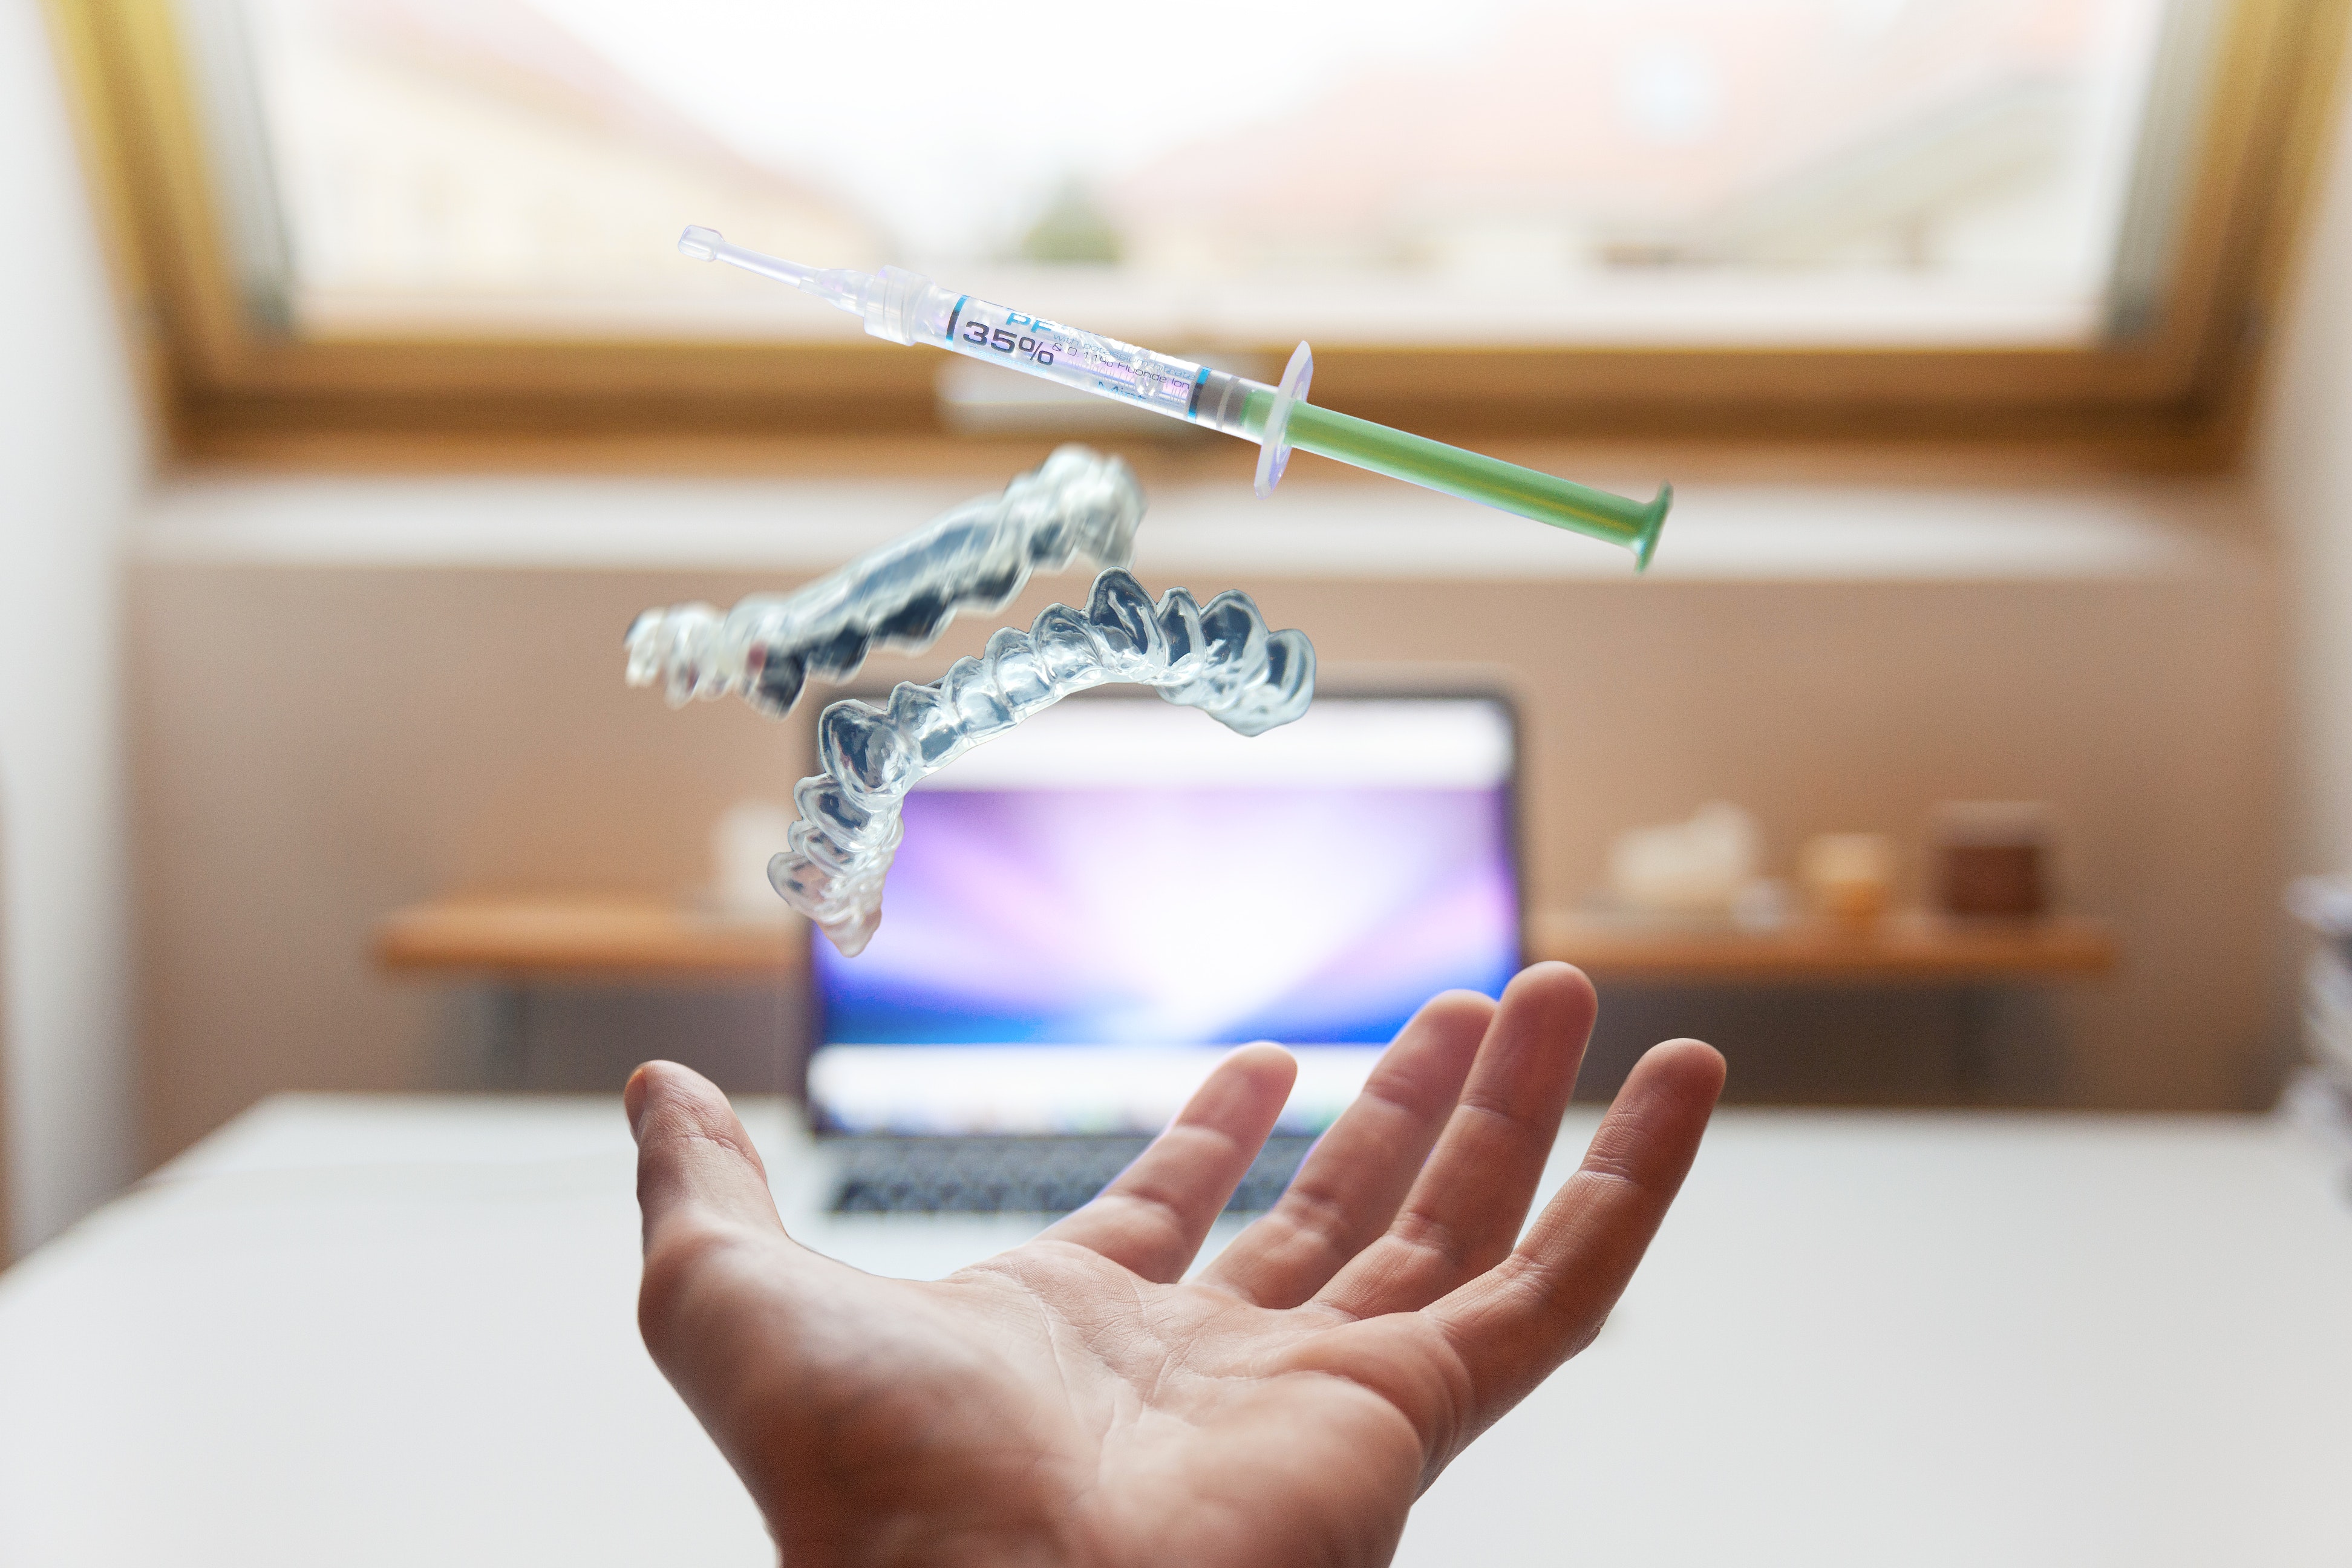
(1359,1171)
(1470,1200)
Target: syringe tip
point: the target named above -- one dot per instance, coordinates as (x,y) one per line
(702,244)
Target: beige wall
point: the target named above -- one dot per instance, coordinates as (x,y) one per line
(2304,463)
(318,743)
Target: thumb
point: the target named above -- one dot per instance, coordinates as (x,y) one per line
(696,1170)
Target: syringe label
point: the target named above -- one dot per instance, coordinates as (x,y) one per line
(1009,340)
(1084,360)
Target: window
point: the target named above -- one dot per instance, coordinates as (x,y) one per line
(1554,217)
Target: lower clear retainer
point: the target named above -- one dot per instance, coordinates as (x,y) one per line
(1218,658)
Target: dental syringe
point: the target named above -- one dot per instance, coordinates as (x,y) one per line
(907,308)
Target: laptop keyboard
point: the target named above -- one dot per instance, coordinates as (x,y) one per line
(1017,1175)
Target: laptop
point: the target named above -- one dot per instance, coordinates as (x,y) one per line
(1087,912)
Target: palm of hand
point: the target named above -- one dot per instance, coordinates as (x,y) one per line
(1052,1397)
(1071,1401)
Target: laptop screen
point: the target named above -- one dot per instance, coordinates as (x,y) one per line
(1086,911)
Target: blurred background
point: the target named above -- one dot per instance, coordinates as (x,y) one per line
(361,399)
(1503,175)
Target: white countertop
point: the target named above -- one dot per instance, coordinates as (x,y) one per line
(367,1330)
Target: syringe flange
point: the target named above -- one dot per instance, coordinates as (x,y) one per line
(1273,437)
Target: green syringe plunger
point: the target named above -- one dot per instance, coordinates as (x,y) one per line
(907,308)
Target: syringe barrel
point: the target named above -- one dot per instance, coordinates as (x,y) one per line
(907,308)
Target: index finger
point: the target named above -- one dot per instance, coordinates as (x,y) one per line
(1518,1321)
(1153,1217)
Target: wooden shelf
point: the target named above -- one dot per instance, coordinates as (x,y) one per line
(585,937)
(1904,949)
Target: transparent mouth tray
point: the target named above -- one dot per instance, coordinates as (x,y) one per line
(976,557)
(1218,657)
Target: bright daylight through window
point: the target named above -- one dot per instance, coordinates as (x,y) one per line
(1515,173)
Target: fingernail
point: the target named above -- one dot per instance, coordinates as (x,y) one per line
(633,1100)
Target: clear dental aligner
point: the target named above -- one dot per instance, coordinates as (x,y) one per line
(1217,656)
(975,557)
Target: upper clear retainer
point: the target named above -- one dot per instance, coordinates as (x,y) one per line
(1217,656)
(975,557)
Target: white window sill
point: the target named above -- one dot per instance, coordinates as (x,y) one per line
(1726,532)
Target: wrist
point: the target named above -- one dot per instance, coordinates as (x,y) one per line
(918,1539)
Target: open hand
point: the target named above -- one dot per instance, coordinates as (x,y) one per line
(1076,1400)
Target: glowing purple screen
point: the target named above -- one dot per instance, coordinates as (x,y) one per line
(1305,910)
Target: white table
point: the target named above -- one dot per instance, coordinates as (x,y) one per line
(362,1331)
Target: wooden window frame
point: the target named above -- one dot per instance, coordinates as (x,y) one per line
(2176,398)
